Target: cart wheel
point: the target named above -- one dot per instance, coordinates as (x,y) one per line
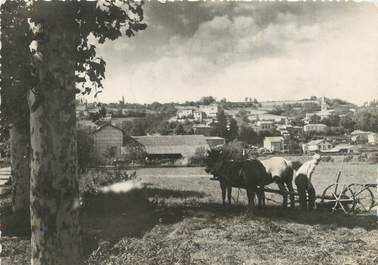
(344,201)
(364,197)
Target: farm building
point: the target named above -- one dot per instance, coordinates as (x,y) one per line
(281,103)
(174,148)
(344,148)
(373,138)
(363,136)
(321,145)
(202,129)
(274,144)
(267,117)
(215,141)
(108,139)
(265,125)
(315,128)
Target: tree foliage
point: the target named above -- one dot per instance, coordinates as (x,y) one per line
(207,100)
(198,157)
(234,150)
(138,128)
(332,120)
(85,150)
(108,20)
(315,119)
(179,130)
(367,119)
(232,130)
(347,122)
(220,128)
(105,21)
(16,70)
(248,135)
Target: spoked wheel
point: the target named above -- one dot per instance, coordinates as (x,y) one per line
(338,202)
(364,197)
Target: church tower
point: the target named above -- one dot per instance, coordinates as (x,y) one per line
(323,104)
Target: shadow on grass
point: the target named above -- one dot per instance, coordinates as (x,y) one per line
(15,223)
(110,217)
(316,217)
(167,193)
(171,212)
(319,217)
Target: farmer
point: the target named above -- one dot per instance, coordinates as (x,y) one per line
(303,182)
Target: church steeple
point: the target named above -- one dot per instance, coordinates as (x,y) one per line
(323,104)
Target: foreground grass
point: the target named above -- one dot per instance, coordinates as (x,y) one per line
(209,239)
(180,220)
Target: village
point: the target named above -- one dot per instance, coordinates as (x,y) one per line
(188,132)
(120,134)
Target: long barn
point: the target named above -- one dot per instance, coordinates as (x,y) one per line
(175,148)
(178,148)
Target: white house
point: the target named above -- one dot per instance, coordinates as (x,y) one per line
(274,143)
(185,113)
(369,137)
(315,127)
(321,145)
(198,116)
(344,148)
(265,125)
(210,110)
(373,138)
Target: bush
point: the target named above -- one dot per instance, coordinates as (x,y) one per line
(234,150)
(363,157)
(372,158)
(348,158)
(327,159)
(85,150)
(198,159)
(91,182)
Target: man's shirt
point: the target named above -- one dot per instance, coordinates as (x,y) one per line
(307,169)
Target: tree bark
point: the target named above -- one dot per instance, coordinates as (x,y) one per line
(19,144)
(54,193)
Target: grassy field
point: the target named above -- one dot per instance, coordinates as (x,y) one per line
(196,179)
(178,219)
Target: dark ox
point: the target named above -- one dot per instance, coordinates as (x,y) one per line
(247,174)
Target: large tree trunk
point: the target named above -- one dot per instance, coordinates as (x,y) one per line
(54,185)
(19,144)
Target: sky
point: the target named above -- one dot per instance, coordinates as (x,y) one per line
(267,51)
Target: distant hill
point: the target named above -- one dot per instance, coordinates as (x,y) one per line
(334,103)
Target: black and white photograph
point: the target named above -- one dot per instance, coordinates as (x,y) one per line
(188,132)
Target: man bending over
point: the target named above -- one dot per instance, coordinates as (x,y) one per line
(303,182)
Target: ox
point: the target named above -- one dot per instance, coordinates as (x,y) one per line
(247,174)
